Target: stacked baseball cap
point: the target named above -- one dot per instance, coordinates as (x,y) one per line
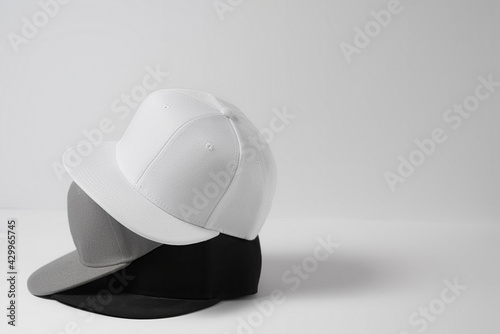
(166,220)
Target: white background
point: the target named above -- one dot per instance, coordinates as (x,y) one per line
(352,122)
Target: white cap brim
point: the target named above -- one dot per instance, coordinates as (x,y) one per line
(100,177)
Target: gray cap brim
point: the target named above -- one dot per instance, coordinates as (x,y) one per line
(65,273)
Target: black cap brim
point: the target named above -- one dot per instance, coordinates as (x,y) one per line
(132,306)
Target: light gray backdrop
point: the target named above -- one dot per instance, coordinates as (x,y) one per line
(360,82)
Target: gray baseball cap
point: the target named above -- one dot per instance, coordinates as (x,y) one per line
(103,246)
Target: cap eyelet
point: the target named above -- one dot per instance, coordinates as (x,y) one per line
(209,147)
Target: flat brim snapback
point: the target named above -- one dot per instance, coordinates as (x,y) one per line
(188,167)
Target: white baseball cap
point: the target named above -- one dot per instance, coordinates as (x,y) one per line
(189,166)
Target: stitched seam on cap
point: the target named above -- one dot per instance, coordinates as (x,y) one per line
(130,179)
(185,92)
(174,136)
(116,236)
(153,198)
(216,101)
(235,153)
(178,134)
